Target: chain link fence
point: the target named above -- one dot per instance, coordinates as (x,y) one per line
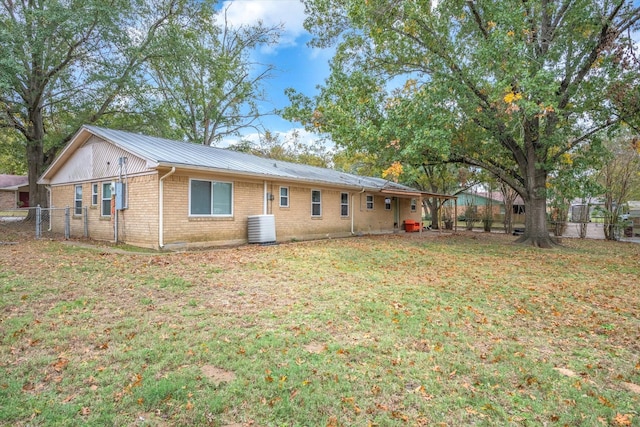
(51,223)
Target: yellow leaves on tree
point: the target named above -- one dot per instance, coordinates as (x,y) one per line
(512,97)
(393,172)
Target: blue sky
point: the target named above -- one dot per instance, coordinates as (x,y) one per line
(298,66)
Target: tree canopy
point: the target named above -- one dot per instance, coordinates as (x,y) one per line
(168,67)
(508,86)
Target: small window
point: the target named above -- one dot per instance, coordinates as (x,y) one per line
(106,199)
(369,202)
(77,208)
(210,198)
(344,204)
(94,194)
(284,197)
(316,203)
(387,204)
(414,205)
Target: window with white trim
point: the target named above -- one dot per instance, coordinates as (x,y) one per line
(284,197)
(316,203)
(105,209)
(369,202)
(344,204)
(414,205)
(77,206)
(210,198)
(94,194)
(387,203)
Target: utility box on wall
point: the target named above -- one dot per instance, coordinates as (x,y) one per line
(121,195)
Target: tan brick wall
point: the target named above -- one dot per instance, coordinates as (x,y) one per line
(137,225)
(7,199)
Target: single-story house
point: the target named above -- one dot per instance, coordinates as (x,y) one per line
(480,202)
(159,193)
(14,191)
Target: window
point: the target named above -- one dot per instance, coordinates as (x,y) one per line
(210,198)
(387,204)
(518,209)
(94,194)
(369,202)
(344,204)
(284,197)
(316,203)
(106,199)
(77,207)
(414,205)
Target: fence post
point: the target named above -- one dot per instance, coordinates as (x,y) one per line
(67,222)
(86,221)
(38,220)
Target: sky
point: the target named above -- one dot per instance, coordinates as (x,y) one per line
(298,65)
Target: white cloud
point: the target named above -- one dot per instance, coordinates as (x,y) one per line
(271,13)
(303,136)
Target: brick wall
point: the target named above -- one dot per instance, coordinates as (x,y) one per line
(293,222)
(7,199)
(138,225)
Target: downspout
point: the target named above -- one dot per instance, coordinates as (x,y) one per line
(266,201)
(353,211)
(161,208)
(48,187)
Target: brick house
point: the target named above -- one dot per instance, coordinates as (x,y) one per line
(14,191)
(158,193)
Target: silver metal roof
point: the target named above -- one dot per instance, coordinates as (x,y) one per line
(166,152)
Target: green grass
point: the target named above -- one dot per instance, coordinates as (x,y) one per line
(452,330)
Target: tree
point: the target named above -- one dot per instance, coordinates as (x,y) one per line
(209,85)
(506,86)
(618,176)
(68,62)
(292,149)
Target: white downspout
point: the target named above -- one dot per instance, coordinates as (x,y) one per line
(161,208)
(353,211)
(264,209)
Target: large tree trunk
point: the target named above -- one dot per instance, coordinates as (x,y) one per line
(36,159)
(535,202)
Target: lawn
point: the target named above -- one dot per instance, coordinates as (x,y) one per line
(443,330)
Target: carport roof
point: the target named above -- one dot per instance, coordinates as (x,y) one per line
(161,152)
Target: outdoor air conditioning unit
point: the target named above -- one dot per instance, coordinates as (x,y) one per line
(261,229)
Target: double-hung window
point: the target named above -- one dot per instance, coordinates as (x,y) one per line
(94,194)
(77,207)
(105,209)
(387,204)
(316,203)
(369,202)
(344,204)
(210,198)
(414,205)
(284,197)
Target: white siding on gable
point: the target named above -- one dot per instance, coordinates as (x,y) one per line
(96,160)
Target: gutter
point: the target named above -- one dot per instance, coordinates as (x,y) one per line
(161,207)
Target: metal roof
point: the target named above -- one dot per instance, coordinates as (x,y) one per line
(166,152)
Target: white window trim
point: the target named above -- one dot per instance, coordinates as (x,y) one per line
(211,215)
(317,203)
(280,197)
(76,200)
(102,199)
(345,204)
(414,205)
(366,202)
(95,186)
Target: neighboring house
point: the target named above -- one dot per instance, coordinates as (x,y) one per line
(158,193)
(481,201)
(14,191)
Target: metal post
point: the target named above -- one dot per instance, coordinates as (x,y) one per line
(85,218)
(67,222)
(38,220)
